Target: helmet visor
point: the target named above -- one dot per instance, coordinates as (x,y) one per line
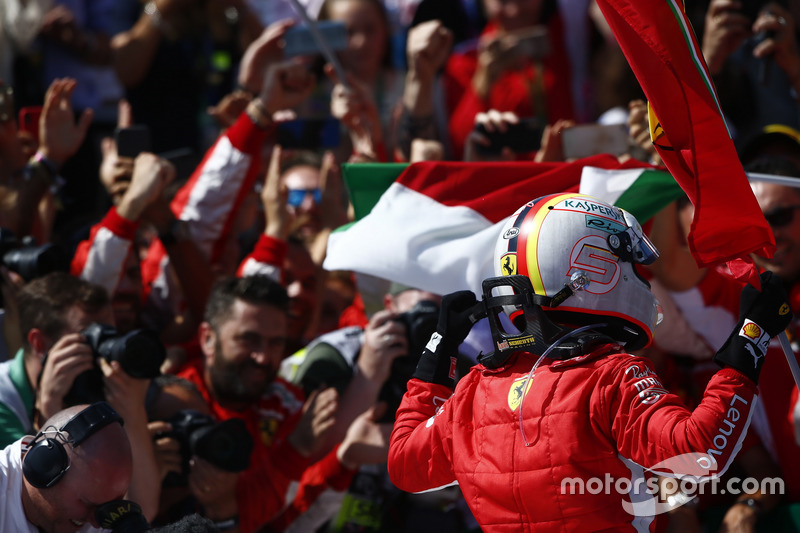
(643,251)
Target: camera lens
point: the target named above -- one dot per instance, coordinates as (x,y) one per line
(36,261)
(140,353)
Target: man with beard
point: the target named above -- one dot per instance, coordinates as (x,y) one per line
(242,339)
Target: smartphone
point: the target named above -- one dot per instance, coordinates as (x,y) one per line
(585,140)
(133,140)
(309,134)
(524,136)
(298,40)
(29,120)
(533,43)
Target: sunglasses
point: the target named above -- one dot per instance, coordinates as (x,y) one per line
(296,196)
(782,216)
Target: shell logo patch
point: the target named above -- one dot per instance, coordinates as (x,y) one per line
(508,264)
(751,330)
(515,393)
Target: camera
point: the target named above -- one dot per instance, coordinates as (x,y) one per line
(139,353)
(226,445)
(420,323)
(29,260)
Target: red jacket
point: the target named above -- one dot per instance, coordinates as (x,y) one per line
(598,415)
(274,463)
(519,91)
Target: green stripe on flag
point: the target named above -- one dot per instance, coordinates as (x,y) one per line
(650,193)
(366,182)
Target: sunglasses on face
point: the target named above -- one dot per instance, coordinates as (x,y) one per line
(782,216)
(296,196)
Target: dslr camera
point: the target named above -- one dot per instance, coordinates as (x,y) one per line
(29,260)
(226,445)
(139,353)
(420,323)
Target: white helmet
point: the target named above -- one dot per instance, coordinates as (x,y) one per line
(579,253)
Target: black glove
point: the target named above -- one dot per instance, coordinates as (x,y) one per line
(762,315)
(437,362)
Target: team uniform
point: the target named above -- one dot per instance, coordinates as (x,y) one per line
(560,428)
(602,413)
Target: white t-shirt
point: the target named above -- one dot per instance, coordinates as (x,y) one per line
(12,515)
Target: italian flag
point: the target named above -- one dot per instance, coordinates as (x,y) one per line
(436,225)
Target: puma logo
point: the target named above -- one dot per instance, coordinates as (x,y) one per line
(756,357)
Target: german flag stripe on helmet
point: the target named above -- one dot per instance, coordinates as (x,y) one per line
(530,251)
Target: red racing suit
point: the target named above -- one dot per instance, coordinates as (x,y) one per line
(603,416)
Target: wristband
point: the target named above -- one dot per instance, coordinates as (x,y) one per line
(229,523)
(242,89)
(258,113)
(39,157)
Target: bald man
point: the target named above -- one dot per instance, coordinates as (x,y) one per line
(42,491)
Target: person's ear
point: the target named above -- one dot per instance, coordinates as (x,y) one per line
(388,302)
(208,339)
(37,340)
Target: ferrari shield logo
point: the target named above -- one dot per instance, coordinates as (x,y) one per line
(657,134)
(515,392)
(508,264)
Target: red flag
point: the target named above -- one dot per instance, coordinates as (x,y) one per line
(694,141)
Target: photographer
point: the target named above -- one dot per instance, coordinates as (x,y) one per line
(53,312)
(366,365)
(751,49)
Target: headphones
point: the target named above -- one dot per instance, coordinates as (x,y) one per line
(46,460)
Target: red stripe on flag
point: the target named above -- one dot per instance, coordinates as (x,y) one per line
(496,190)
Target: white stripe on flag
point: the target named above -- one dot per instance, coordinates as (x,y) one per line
(607,185)
(413,239)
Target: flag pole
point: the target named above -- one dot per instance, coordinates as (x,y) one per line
(323,45)
(789,353)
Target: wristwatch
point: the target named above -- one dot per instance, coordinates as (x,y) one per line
(752,503)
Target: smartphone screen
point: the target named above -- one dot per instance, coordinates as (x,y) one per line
(309,134)
(591,139)
(299,41)
(534,43)
(132,141)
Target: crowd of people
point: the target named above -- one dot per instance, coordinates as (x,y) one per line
(172,343)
